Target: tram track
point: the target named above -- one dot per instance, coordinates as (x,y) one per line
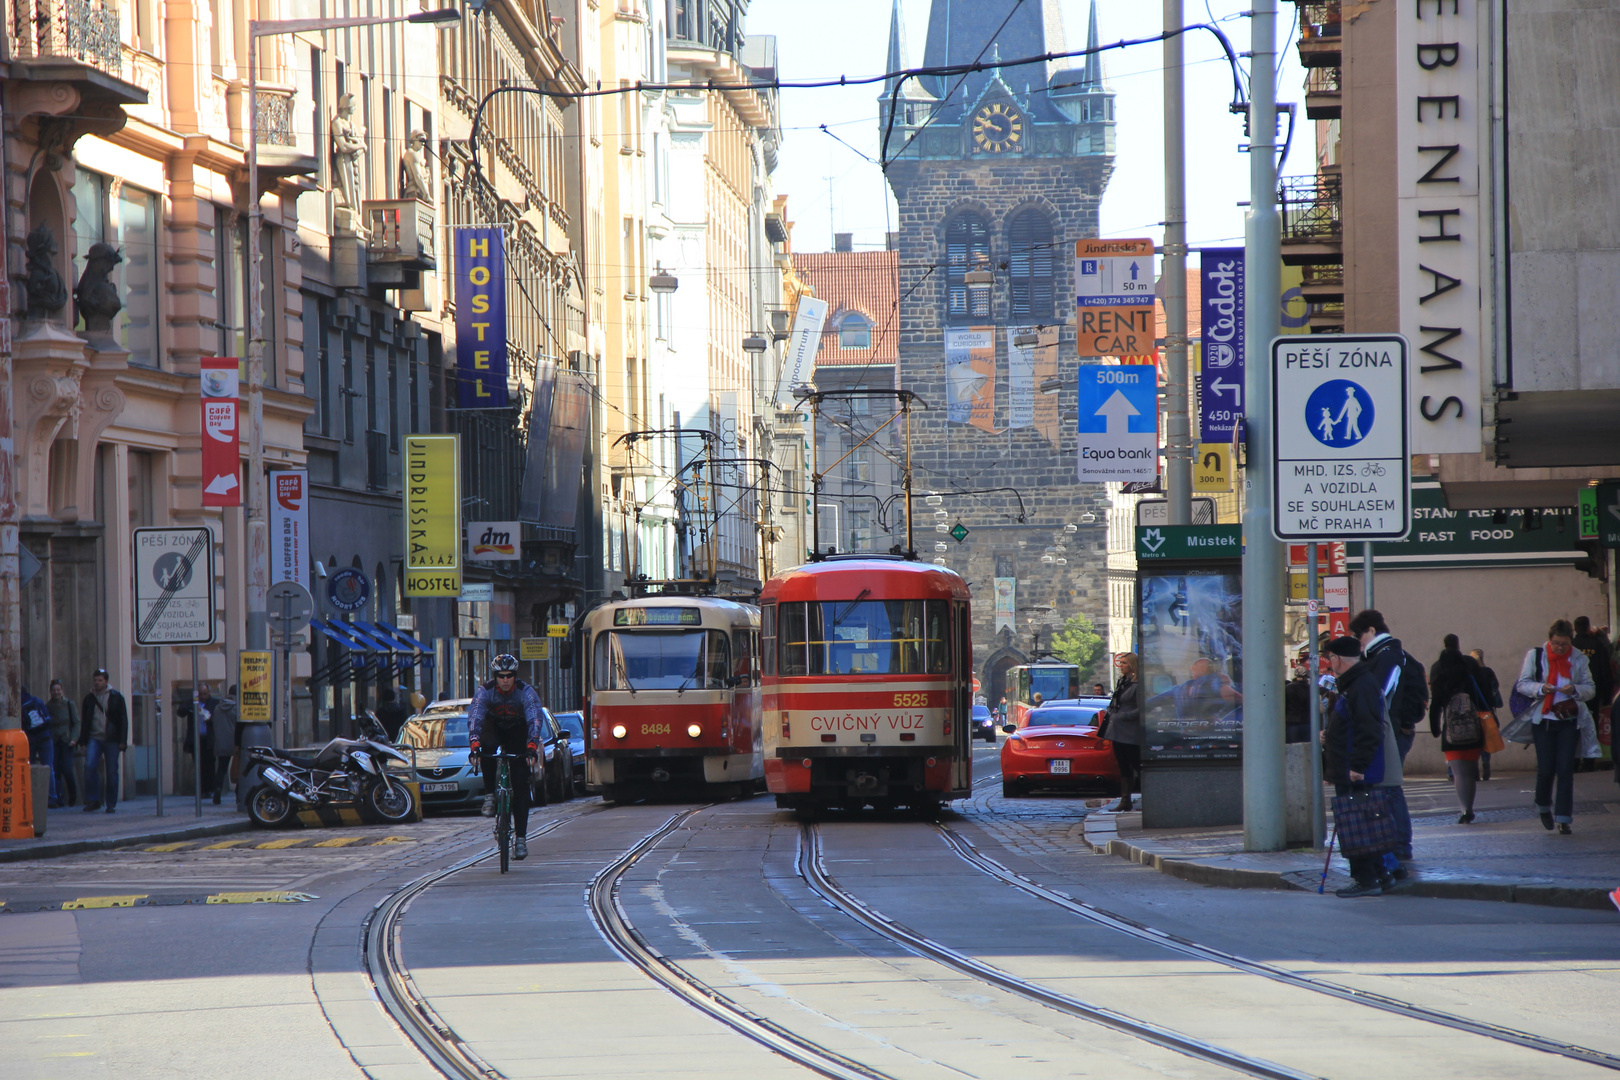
(812,868)
(964,850)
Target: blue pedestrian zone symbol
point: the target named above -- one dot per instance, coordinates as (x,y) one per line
(1339,413)
(1118,400)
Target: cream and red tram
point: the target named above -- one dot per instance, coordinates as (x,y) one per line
(868,684)
(672,697)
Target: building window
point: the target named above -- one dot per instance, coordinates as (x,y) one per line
(967,247)
(858,467)
(230,281)
(129,222)
(855,332)
(1030,258)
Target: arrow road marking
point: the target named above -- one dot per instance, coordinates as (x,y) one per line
(1117,410)
(1153,540)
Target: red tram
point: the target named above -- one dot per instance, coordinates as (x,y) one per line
(868,684)
(672,698)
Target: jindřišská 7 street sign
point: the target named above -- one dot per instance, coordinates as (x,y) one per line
(1341,469)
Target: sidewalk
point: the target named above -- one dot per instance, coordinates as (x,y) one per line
(1504,855)
(70,831)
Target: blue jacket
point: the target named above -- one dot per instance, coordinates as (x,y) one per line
(521,706)
(35,716)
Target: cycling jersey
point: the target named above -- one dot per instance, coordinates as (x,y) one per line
(505,712)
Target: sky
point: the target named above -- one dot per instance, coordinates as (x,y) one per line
(831,187)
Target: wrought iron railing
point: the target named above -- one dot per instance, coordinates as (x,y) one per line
(83,30)
(275,120)
(1322,80)
(1320,20)
(1322,274)
(1310,207)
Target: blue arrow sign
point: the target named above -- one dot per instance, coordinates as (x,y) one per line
(1119,400)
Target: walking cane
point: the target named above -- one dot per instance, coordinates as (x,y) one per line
(1321,886)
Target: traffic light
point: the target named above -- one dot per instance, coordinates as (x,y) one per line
(1596,561)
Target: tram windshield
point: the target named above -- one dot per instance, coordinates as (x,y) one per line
(864,637)
(661,660)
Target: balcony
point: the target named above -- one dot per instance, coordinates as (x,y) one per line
(1320,34)
(401,233)
(279,154)
(72,41)
(1322,93)
(1312,228)
(1323,283)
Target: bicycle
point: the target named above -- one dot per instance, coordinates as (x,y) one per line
(503,804)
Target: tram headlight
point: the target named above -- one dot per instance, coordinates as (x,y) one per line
(694,730)
(620,731)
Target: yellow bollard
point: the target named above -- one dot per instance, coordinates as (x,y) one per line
(16,787)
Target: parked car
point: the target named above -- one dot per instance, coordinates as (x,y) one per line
(1058,750)
(438,734)
(574,724)
(984,723)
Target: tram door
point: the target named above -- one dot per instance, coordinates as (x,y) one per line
(962,703)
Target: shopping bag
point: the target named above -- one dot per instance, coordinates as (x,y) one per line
(1493,736)
(1365,821)
(1519,730)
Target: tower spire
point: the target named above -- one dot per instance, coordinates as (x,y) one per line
(897,46)
(1094,63)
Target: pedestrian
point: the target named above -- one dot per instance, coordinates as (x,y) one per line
(104,733)
(1098,690)
(1557,678)
(1122,726)
(1405,686)
(36,723)
(200,730)
(1600,658)
(1455,702)
(64,726)
(1491,688)
(1359,751)
(390,713)
(1002,708)
(1297,700)
(222,739)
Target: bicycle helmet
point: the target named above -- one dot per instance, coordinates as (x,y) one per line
(504,664)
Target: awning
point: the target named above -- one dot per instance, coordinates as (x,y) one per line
(368,638)
(401,635)
(340,633)
(389,640)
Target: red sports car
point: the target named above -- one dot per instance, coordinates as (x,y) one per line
(1059,751)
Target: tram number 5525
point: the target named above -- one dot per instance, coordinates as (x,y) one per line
(907,701)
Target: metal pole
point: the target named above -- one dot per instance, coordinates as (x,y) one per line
(160,745)
(10,566)
(1177,426)
(258,544)
(1264,802)
(1367,573)
(911,542)
(196,734)
(1314,751)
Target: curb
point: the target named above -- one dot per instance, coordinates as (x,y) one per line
(1104,840)
(105,843)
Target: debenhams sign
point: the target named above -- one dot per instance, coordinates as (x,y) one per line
(1441,111)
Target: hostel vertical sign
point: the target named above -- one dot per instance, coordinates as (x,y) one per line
(432,515)
(481,318)
(221,435)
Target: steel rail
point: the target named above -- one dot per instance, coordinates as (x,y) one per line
(602,900)
(965,850)
(814,872)
(434,1039)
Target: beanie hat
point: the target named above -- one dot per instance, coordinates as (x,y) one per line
(1344,646)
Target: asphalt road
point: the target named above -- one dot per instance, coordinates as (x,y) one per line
(522,969)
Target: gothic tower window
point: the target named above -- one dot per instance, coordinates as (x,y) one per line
(1030,256)
(967,247)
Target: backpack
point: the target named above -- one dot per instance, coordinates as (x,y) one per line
(1459,721)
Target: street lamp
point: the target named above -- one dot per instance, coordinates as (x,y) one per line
(258,541)
(662,281)
(755,343)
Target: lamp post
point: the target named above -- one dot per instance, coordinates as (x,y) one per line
(258,540)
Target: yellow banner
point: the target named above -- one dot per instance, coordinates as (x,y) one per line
(432,515)
(557,629)
(534,648)
(253,682)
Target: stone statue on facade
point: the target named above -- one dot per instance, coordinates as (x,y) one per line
(415,171)
(97,296)
(348,147)
(46,292)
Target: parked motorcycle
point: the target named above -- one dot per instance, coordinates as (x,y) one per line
(344,770)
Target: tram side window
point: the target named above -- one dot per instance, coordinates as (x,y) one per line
(767,630)
(939,638)
(743,649)
(717,662)
(790,629)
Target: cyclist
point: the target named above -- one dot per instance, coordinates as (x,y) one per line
(505,716)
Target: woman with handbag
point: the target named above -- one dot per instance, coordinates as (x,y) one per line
(1555,682)
(1360,758)
(1455,702)
(1122,726)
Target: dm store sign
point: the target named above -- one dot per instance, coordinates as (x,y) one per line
(481,319)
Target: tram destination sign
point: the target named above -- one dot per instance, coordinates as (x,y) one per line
(1341,469)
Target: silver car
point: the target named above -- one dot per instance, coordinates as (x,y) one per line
(438,738)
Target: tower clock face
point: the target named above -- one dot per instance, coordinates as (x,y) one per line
(997,128)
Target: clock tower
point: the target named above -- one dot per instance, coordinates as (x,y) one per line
(1000,170)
